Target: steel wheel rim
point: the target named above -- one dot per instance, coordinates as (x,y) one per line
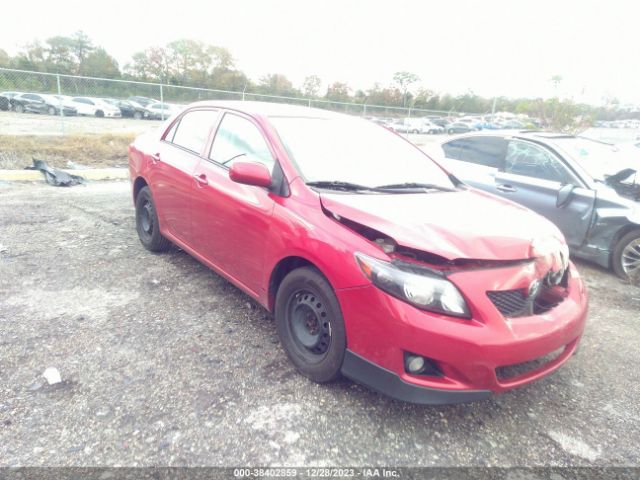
(146,218)
(631,257)
(309,325)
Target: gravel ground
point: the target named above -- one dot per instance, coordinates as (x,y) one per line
(164,363)
(12,123)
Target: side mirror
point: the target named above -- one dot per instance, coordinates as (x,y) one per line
(250,173)
(564,195)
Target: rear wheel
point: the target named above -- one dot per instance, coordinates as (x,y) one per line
(450,131)
(147,223)
(99,113)
(310,324)
(20,108)
(137,115)
(626,256)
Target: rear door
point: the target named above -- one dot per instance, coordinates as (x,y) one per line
(476,160)
(172,167)
(532,176)
(35,103)
(231,222)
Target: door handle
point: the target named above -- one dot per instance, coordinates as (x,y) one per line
(155,158)
(506,188)
(201,179)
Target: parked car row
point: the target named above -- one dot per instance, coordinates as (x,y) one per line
(628,123)
(52,104)
(451,125)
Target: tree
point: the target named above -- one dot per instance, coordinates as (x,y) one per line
(99,63)
(4,58)
(556,80)
(311,86)
(154,63)
(81,47)
(59,55)
(338,92)
(404,80)
(276,84)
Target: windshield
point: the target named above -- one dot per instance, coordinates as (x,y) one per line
(355,151)
(598,159)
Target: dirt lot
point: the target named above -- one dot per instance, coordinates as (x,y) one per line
(165,363)
(12,123)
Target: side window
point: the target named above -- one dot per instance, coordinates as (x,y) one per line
(485,151)
(533,161)
(452,149)
(192,131)
(238,138)
(172,131)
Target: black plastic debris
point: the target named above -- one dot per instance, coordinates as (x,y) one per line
(55,176)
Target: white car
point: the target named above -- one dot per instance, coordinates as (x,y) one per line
(94,107)
(429,127)
(162,111)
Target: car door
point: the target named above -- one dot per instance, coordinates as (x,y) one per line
(231,221)
(476,160)
(532,175)
(35,103)
(172,168)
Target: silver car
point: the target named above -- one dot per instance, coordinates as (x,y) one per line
(587,188)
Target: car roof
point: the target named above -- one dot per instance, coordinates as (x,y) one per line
(269,109)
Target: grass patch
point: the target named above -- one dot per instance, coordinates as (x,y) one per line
(96,151)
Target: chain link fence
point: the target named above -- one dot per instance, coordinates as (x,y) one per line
(162,98)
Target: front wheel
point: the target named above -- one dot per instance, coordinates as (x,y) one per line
(52,111)
(99,114)
(450,132)
(137,115)
(310,324)
(20,108)
(147,223)
(626,256)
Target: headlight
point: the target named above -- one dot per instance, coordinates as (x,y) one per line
(416,285)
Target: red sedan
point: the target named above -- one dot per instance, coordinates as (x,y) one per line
(376,263)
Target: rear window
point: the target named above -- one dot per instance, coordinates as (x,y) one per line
(485,151)
(192,130)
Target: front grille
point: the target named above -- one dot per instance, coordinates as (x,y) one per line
(511,303)
(517,303)
(511,371)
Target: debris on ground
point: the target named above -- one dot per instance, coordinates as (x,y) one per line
(55,176)
(52,376)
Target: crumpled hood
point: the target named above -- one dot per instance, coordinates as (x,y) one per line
(462,224)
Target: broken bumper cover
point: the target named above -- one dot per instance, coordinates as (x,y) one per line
(388,383)
(471,355)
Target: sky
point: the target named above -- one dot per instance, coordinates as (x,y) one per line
(490,47)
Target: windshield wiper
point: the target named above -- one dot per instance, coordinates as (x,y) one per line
(339,185)
(415,186)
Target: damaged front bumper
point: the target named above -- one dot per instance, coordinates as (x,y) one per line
(472,355)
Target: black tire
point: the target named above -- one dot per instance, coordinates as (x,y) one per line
(627,240)
(310,324)
(99,113)
(137,115)
(52,111)
(20,108)
(147,223)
